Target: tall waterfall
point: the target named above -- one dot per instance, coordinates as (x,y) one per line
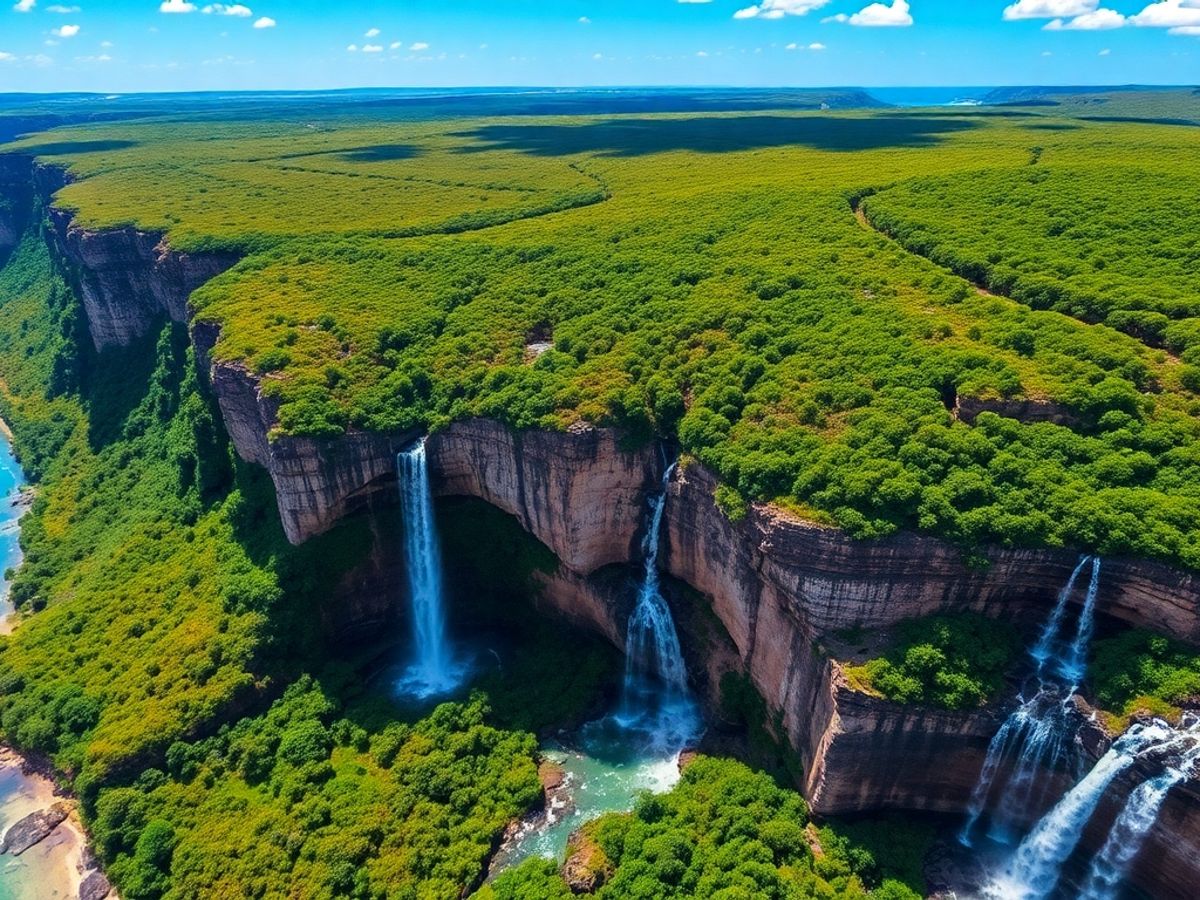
(1033,871)
(432,670)
(1033,736)
(656,696)
(1141,810)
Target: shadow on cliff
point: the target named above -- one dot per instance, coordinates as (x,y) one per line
(716,134)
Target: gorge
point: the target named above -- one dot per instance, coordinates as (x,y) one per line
(696,592)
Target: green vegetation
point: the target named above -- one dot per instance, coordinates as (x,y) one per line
(1138,671)
(696,288)
(727,832)
(954,661)
(310,800)
(163,605)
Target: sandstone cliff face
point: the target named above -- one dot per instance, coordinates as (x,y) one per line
(128,280)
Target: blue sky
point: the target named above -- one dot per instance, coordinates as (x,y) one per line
(126,45)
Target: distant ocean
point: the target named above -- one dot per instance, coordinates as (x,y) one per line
(931,96)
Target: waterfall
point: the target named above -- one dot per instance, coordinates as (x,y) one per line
(651,641)
(1033,871)
(1034,734)
(656,698)
(432,670)
(1138,817)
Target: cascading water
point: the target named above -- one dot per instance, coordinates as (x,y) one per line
(656,700)
(1034,734)
(1141,810)
(433,670)
(1034,870)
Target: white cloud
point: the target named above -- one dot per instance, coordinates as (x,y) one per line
(62,10)
(6,57)
(102,58)
(597,56)
(1049,9)
(1105,52)
(880,15)
(1186,30)
(265,22)
(1100,20)
(220,9)
(25,5)
(396,45)
(419,46)
(65,31)
(795,46)
(372,32)
(372,48)
(1047,53)
(1171,14)
(777,9)
(106,44)
(176,6)
(816,46)
(584,20)
(352,48)
(702,53)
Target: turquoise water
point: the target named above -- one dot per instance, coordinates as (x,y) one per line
(11,479)
(604,773)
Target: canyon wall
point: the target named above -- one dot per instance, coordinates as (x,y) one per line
(777,584)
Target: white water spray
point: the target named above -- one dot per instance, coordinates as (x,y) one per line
(1035,733)
(1141,810)
(1034,870)
(656,696)
(432,670)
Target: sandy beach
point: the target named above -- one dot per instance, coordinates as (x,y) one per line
(52,869)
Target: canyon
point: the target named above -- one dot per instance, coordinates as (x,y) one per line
(778,586)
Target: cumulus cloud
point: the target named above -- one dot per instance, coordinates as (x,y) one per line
(1186,30)
(1105,52)
(777,9)
(880,15)
(7,57)
(1173,14)
(396,45)
(1049,9)
(65,31)
(795,46)
(372,32)
(265,22)
(419,46)
(1100,20)
(816,46)
(372,48)
(584,20)
(25,5)
(352,48)
(62,10)
(176,6)
(220,9)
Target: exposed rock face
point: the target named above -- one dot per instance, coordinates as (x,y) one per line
(1029,411)
(33,829)
(128,279)
(94,887)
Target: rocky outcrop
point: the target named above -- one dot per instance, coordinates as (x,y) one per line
(128,279)
(33,829)
(967,409)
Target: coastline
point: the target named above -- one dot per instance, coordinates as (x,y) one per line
(15,500)
(55,866)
